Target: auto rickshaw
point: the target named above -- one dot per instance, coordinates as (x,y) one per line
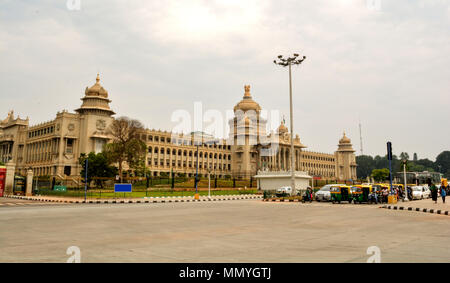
(361,194)
(341,193)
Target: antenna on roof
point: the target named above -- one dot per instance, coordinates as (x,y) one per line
(360,137)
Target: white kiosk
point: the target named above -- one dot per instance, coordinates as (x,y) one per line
(273,180)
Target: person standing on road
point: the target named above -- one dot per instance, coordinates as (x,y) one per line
(385,195)
(434,190)
(443,192)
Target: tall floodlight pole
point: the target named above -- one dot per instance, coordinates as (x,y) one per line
(85,179)
(404,177)
(288,62)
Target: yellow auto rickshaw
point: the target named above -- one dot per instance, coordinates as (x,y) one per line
(341,193)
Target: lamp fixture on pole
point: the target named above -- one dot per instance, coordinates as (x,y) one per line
(288,62)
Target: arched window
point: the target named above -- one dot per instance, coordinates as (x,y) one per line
(156,150)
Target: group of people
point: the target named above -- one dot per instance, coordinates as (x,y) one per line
(443,190)
(382,196)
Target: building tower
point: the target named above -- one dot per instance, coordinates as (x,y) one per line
(246,128)
(345,160)
(95,118)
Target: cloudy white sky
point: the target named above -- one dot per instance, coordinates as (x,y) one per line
(386,65)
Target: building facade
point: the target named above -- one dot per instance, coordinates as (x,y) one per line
(53,148)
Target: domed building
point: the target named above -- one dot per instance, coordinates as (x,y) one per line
(52,148)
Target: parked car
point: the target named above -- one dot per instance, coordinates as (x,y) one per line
(284,191)
(418,192)
(324,193)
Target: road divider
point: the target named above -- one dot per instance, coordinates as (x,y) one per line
(417,209)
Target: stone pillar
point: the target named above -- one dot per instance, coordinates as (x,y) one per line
(29,185)
(9,180)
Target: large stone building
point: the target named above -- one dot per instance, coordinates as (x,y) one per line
(52,148)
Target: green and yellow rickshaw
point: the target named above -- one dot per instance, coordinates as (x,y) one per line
(340,193)
(360,194)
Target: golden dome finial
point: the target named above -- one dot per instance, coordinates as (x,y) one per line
(247,91)
(344,139)
(98,78)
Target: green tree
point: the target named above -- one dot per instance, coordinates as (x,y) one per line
(2,164)
(141,169)
(126,145)
(404,156)
(380,175)
(443,163)
(98,166)
(366,164)
(427,164)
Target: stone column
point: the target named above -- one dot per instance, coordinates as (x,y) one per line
(9,180)
(29,185)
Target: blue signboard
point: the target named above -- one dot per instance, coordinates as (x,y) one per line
(122,188)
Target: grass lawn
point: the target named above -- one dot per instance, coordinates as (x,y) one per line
(150,193)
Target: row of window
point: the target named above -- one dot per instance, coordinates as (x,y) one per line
(201,165)
(180,152)
(315,165)
(330,159)
(41,132)
(151,138)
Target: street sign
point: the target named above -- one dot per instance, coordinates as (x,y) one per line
(60,188)
(389,150)
(389,156)
(122,188)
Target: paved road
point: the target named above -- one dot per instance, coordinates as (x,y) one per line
(234,231)
(8,202)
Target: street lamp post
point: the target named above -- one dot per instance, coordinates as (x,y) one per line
(209,183)
(198,139)
(85,179)
(406,183)
(288,62)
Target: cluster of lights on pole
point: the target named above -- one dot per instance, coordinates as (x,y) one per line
(290,60)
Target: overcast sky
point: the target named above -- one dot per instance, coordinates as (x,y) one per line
(385,64)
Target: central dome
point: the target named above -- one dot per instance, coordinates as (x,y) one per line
(345,140)
(247,103)
(96,89)
(282,128)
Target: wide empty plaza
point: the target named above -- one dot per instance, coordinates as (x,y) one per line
(229,231)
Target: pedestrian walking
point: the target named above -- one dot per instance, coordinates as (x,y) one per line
(434,190)
(443,192)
